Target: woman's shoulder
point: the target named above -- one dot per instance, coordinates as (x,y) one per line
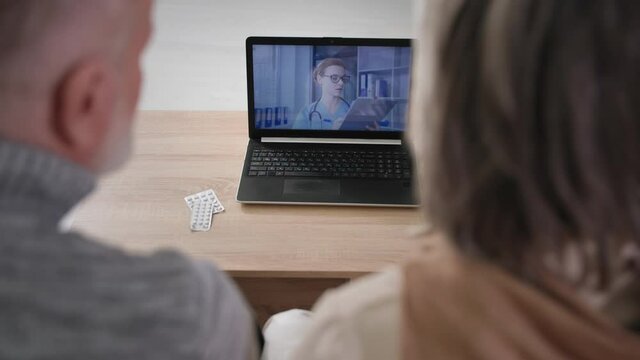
(345,104)
(307,107)
(364,294)
(360,320)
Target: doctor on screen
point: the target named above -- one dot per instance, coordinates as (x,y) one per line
(328,112)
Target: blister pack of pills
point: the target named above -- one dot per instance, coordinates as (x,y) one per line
(203,206)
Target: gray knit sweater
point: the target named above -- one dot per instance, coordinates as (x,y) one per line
(64,296)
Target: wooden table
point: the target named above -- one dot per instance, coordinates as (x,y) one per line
(281,256)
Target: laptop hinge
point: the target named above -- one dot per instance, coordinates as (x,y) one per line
(331,141)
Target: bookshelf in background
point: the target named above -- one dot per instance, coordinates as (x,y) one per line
(383,73)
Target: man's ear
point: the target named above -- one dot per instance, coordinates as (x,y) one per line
(83,107)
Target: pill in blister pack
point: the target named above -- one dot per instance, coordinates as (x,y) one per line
(205,196)
(201,216)
(203,206)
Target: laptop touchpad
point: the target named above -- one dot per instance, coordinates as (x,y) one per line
(315,188)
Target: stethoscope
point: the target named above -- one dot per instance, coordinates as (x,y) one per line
(314,111)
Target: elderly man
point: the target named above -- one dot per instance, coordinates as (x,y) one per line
(69,84)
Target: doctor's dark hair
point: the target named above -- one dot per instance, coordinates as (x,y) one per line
(530,138)
(324,64)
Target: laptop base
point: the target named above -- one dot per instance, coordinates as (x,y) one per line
(309,190)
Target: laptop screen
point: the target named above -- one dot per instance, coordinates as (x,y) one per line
(330,87)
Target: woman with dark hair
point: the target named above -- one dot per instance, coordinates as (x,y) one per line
(526,130)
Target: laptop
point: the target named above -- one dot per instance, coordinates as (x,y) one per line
(326,122)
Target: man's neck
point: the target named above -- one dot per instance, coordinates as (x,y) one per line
(33,175)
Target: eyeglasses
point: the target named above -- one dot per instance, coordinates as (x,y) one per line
(335,78)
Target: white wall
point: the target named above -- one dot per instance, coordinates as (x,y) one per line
(196,59)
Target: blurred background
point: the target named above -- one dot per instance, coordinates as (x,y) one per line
(196,58)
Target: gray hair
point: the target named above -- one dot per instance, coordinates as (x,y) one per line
(41,37)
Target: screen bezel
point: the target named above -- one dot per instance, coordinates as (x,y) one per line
(260,133)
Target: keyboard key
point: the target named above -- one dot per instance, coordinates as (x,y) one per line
(383,164)
(306,174)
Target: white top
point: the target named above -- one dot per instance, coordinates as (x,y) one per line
(356,322)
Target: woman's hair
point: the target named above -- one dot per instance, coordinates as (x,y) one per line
(324,64)
(526,128)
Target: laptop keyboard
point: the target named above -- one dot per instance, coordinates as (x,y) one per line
(389,164)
